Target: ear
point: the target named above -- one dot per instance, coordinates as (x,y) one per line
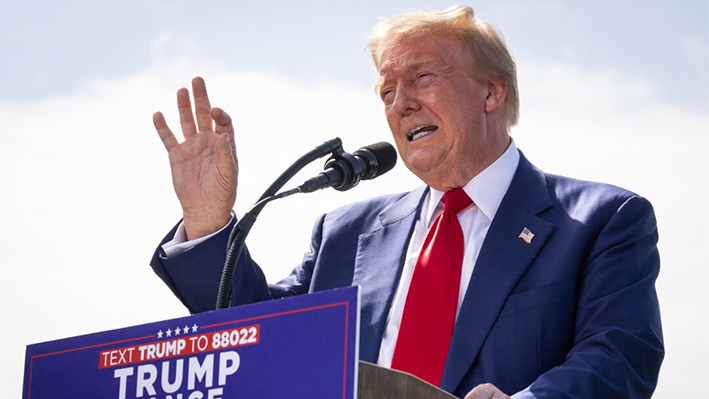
(496,94)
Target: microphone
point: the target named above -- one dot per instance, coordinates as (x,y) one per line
(344,171)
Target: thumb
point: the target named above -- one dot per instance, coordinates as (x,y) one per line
(226,158)
(480,392)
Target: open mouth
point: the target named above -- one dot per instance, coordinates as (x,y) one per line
(421,131)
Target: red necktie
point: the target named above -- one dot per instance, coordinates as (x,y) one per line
(429,312)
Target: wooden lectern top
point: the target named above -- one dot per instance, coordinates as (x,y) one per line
(381,383)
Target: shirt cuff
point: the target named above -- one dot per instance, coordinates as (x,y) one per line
(179,243)
(526,394)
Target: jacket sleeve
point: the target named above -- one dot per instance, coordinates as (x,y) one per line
(194,275)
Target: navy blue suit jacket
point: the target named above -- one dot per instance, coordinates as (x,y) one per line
(574,312)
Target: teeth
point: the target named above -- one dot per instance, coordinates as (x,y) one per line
(421,131)
(419,135)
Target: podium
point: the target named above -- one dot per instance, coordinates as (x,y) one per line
(380,383)
(300,347)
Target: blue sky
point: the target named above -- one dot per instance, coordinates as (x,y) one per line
(51,47)
(612,91)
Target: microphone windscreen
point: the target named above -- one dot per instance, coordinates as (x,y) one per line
(385,155)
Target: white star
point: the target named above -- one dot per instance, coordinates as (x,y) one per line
(186,330)
(160,334)
(194,328)
(168,332)
(177,331)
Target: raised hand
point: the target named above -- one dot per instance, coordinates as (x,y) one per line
(204,166)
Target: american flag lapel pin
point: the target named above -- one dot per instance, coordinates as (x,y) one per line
(526,235)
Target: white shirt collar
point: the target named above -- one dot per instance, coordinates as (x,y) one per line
(486,189)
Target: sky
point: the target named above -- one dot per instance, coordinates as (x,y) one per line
(611,91)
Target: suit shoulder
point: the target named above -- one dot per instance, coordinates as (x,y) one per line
(370,207)
(568,186)
(374,213)
(582,197)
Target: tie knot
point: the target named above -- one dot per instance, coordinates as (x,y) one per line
(456,200)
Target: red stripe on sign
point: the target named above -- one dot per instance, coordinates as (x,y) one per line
(166,349)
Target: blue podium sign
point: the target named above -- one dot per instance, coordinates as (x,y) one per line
(300,347)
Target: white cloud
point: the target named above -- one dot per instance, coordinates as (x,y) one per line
(88,192)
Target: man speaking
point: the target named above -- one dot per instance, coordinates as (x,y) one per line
(492,279)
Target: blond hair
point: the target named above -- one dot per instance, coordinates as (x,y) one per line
(483,45)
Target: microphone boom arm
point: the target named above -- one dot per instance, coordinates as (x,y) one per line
(342,172)
(238,234)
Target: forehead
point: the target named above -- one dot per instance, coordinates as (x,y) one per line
(411,53)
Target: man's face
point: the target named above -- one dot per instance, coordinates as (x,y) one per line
(440,117)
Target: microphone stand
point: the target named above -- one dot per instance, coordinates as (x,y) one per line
(238,234)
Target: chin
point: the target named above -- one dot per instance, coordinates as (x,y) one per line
(424,164)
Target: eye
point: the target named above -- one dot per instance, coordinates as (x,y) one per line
(387,95)
(423,76)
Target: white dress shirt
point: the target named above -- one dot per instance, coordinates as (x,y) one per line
(486,190)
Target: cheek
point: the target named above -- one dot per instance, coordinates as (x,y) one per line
(394,126)
(391,116)
(401,148)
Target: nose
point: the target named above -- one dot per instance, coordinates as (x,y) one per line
(405,101)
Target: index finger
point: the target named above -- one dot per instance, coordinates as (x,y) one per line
(222,120)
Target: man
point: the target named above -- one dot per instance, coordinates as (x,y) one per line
(553,290)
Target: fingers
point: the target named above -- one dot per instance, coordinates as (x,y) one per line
(166,135)
(222,121)
(184,107)
(203,111)
(486,391)
(201,104)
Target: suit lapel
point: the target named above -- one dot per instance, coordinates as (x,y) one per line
(502,260)
(378,264)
